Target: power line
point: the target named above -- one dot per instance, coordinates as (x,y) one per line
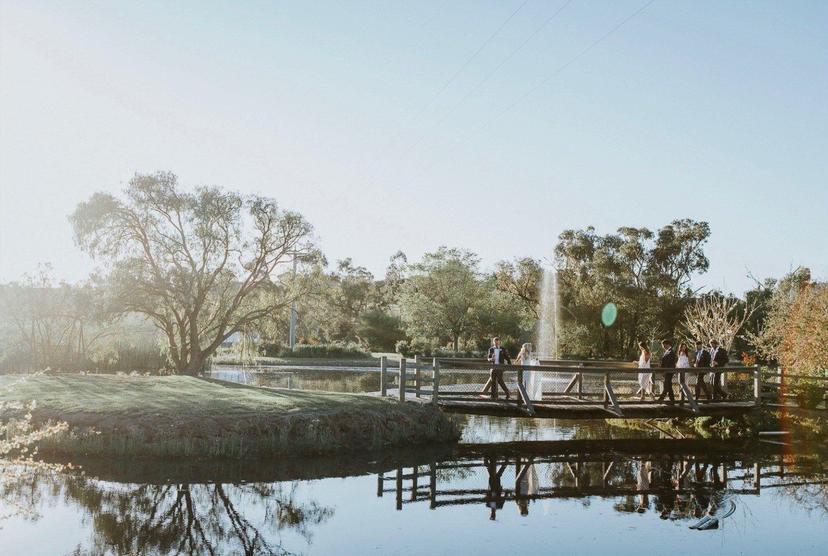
(509,57)
(569,62)
(488,76)
(559,69)
(470,59)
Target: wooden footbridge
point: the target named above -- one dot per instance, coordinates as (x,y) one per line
(571,389)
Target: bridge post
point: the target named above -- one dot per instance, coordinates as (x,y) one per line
(415,473)
(435,380)
(398,483)
(432,484)
(402,379)
(383,376)
(757,477)
(757,386)
(417,378)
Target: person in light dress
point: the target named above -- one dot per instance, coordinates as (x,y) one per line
(683,362)
(531,380)
(645,379)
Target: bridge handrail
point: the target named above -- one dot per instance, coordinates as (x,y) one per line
(486,366)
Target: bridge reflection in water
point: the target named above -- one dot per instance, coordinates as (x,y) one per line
(675,479)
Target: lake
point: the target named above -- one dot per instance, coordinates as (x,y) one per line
(512,485)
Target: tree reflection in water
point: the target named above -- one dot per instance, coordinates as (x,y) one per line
(181,518)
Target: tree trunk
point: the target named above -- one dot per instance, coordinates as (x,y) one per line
(193,366)
(456,343)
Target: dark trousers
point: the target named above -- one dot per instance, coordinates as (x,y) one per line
(495,378)
(718,393)
(701,385)
(668,388)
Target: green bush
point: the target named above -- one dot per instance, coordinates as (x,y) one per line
(380,330)
(402,347)
(271,349)
(809,394)
(308,351)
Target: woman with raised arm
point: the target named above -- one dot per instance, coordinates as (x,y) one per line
(645,380)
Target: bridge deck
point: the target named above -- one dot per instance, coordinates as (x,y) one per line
(591,409)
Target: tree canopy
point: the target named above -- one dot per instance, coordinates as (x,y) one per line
(201,265)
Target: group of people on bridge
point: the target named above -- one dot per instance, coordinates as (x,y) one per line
(703,357)
(712,356)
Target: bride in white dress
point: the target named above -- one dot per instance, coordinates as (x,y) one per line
(645,380)
(531,380)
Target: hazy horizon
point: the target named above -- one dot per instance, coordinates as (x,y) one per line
(491,127)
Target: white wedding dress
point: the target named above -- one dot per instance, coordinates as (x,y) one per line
(533,382)
(645,380)
(684,363)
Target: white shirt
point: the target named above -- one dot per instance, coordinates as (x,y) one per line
(496,356)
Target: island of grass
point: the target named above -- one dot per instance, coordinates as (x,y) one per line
(179,416)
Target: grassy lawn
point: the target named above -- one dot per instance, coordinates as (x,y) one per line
(185,416)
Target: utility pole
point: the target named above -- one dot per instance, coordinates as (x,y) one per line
(292,338)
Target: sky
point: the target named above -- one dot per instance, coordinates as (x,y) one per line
(391,126)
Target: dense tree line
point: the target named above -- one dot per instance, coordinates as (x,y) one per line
(207,267)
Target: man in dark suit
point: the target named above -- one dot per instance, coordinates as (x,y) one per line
(702,361)
(718,358)
(668,361)
(497,355)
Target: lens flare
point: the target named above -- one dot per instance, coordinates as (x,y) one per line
(608,314)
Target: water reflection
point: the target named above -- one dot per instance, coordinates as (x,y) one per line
(294,506)
(688,480)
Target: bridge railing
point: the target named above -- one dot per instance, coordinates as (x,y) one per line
(784,389)
(562,382)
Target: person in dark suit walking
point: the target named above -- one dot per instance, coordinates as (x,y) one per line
(498,356)
(718,358)
(702,361)
(668,361)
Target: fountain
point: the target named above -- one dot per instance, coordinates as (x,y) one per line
(549,318)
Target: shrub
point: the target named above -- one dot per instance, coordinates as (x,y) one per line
(350,350)
(809,394)
(380,330)
(402,347)
(271,349)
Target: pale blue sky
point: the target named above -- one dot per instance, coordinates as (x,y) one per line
(709,110)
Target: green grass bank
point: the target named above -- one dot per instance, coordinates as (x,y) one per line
(177,416)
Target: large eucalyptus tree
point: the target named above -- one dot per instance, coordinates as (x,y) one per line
(200,264)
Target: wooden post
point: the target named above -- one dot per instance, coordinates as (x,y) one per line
(519,381)
(757,477)
(432,483)
(757,386)
(606,389)
(399,485)
(383,376)
(380,484)
(417,378)
(415,473)
(402,379)
(435,380)
(580,386)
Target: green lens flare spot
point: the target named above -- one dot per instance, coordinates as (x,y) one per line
(608,314)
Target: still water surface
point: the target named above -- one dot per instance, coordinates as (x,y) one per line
(512,486)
